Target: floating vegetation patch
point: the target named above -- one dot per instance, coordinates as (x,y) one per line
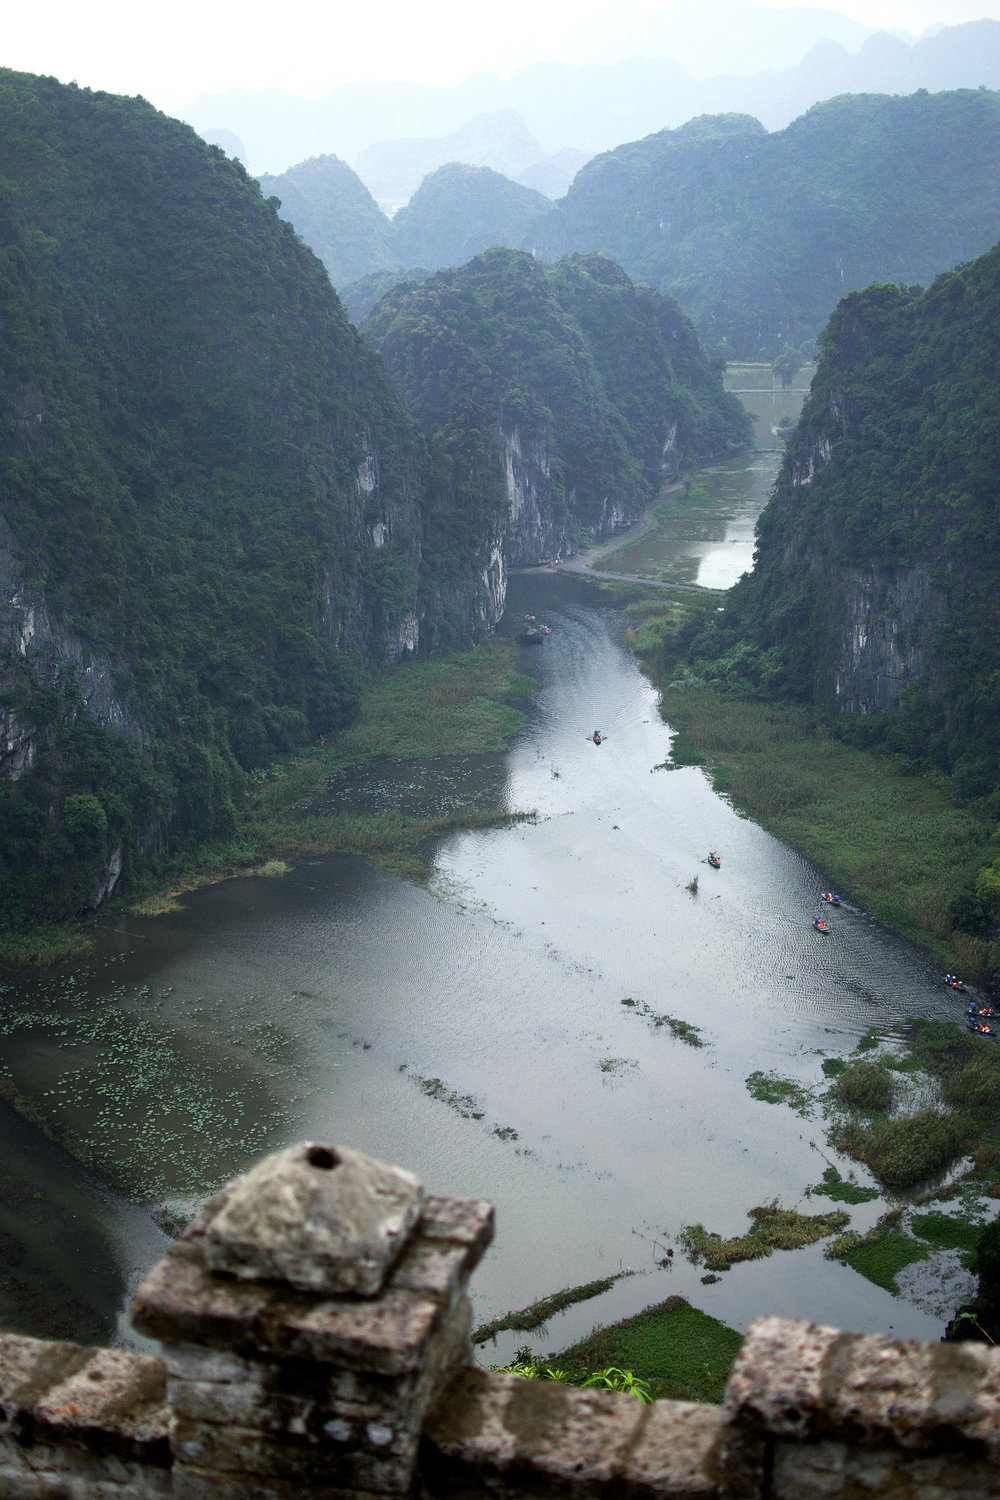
(834,1066)
(159,1113)
(682,1031)
(880,1254)
(946,1232)
(771,1088)
(614,1067)
(463,1105)
(840,1190)
(539,1313)
(774,1228)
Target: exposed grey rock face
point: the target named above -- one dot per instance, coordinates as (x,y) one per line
(881,650)
(33,645)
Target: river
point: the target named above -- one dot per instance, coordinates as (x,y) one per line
(496,1033)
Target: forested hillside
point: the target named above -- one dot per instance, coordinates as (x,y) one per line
(458,211)
(211,501)
(876,594)
(216,515)
(759,235)
(335,214)
(565,391)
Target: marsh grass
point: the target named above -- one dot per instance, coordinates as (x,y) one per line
(865,1085)
(774,1228)
(458,705)
(537,1314)
(684,1354)
(908,1149)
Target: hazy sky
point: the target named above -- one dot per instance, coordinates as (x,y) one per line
(307,46)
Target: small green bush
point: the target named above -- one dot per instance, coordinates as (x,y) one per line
(865,1085)
(908,1149)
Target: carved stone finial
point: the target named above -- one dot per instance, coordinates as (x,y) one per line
(321,1218)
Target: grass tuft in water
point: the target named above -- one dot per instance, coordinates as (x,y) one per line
(771,1088)
(774,1228)
(540,1312)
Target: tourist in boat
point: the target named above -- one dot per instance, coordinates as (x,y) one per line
(714,859)
(597,736)
(819,923)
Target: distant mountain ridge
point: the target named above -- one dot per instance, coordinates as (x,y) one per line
(596,107)
(759,235)
(457,212)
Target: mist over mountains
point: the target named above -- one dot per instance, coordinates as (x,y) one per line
(596,106)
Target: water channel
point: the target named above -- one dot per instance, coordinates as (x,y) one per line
(496,1033)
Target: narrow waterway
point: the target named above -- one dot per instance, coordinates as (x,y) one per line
(497,1033)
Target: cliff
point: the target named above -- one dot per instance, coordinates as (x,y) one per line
(213,506)
(562,395)
(876,594)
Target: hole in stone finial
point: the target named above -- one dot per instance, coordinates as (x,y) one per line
(322,1157)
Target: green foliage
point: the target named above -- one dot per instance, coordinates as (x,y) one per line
(770,1088)
(866,1086)
(184,417)
(907,1149)
(684,1354)
(833,1186)
(601,376)
(759,234)
(530,1367)
(898,516)
(774,1228)
(879,1255)
(336,216)
(986,1264)
(947,1232)
(457,212)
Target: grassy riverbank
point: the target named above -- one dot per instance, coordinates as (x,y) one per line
(457,705)
(900,845)
(684,1354)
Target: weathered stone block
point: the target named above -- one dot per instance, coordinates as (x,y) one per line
(96,1411)
(798,1380)
(386,1469)
(675,1453)
(324,1219)
(181,1302)
(498,1434)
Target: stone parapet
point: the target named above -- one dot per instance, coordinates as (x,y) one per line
(310,1315)
(846,1414)
(75,1422)
(315,1336)
(497,1434)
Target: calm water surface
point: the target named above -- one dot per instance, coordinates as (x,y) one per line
(477,1032)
